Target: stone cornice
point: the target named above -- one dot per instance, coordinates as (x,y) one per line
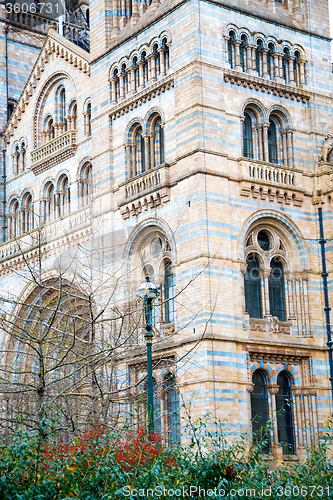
(140,98)
(267,86)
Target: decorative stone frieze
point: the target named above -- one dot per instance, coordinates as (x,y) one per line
(142,97)
(267,86)
(271,324)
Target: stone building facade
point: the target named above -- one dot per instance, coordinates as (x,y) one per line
(198,135)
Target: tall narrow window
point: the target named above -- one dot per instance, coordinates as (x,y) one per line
(62,109)
(284,410)
(252,286)
(27,214)
(13,219)
(88,118)
(230,48)
(272,143)
(276,290)
(172,402)
(247,136)
(49,202)
(159,142)
(243,53)
(259,408)
(170,292)
(63,196)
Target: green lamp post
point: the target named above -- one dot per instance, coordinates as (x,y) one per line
(148,292)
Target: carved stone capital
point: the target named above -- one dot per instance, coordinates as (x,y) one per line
(273,389)
(250,387)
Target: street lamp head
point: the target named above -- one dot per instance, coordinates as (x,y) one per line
(148,291)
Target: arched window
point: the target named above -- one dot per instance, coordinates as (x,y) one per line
(270,61)
(13,219)
(85,184)
(27,214)
(88,119)
(285,65)
(247,136)
(138,158)
(272,142)
(259,409)
(158,142)
(242,53)
(73,117)
(231,49)
(62,109)
(50,130)
(284,411)
(172,407)
(170,292)
(259,58)
(252,287)
(276,290)
(63,196)
(48,202)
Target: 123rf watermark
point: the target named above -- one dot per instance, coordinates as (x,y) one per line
(197,492)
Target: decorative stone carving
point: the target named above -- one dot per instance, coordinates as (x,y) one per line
(273,389)
(326,150)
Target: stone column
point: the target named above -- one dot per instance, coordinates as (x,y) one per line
(153,68)
(162,61)
(15,158)
(265,141)
(276,448)
(122,84)
(297,394)
(248,58)
(284,148)
(290,148)
(291,71)
(306,305)
(141,75)
(264,64)
(134,160)
(298,305)
(313,395)
(290,297)
(237,55)
(147,159)
(265,275)
(249,390)
(152,150)
(276,66)
(21,160)
(135,13)
(280,57)
(302,72)
(113,89)
(128,159)
(307,417)
(260,142)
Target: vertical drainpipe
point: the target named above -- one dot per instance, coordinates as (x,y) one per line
(4,227)
(7,90)
(327,308)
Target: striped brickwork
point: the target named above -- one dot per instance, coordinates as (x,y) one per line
(206,199)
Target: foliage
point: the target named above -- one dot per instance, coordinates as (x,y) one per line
(123,465)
